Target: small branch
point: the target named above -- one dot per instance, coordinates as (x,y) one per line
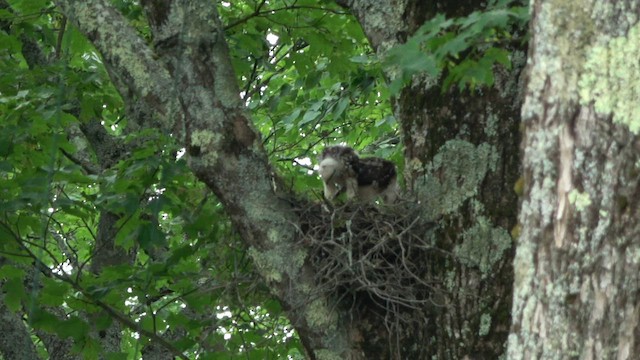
(90,168)
(121,318)
(252,77)
(258,13)
(308,167)
(63,26)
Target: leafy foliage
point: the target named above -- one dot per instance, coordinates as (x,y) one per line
(306,84)
(179,271)
(179,258)
(463,50)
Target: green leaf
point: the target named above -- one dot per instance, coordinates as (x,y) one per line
(341,107)
(73,327)
(53,292)
(90,348)
(29,7)
(257,354)
(273,306)
(197,301)
(102,322)
(396,85)
(309,116)
(453,46)
(180,253)
(14,294)
(150,236)
(147,323)
(10,272)
(496,55)
(175,320)
(289,121)
(184,343)
(6,166)
(6,146)
(41,319)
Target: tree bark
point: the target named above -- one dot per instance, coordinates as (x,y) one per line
(15,342)
(577,269)
(462,159)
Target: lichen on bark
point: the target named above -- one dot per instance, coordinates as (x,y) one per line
(611,81)
(572,295)
(455,174)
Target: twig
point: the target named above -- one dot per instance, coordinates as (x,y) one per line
(63,26)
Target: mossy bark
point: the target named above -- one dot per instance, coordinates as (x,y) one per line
(577,267)
(462,161)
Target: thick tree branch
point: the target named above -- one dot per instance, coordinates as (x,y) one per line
(15,342)
(224,150)
(129,59)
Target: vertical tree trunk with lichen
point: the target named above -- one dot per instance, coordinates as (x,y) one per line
(577,266)
(462,161)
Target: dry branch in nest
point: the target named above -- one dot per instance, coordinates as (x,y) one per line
(381,253)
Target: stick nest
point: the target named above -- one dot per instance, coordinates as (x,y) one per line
(385,254)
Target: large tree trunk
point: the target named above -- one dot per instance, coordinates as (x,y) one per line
(577,266)
(462,160)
